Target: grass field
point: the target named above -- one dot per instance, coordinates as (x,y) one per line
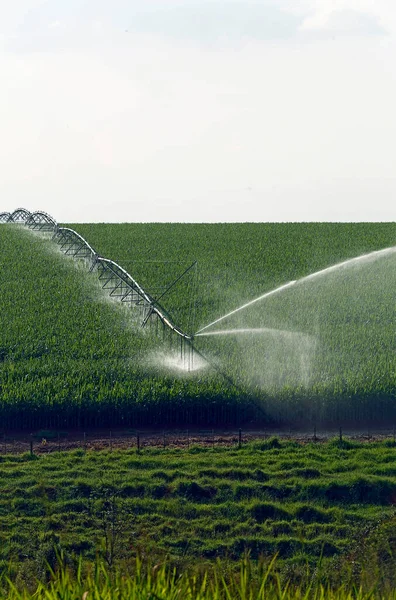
(307,503)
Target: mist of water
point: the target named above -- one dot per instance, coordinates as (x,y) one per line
(265,357)
(333,328)
(173,361)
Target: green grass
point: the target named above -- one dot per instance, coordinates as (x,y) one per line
(143,581)
(309,504)
(70,358)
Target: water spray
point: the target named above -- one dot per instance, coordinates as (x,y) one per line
(346,263)
(248,331)
(266,295)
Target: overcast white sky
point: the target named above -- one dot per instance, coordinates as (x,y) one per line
(199,110)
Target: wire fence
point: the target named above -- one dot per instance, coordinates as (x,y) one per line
(44,442)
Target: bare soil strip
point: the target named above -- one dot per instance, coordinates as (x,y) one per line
(43,442)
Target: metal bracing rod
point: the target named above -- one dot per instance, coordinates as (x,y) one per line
(111,278)
(114,288)
(130,293)
(120,291)
(78,249)
(102,270)
(94,264)
(155,291)
(66,246)
(103,274)
(118,286)
(177,280)
(65,240)
(135,297)
(83,253)
(130,296)
(72,250)
(147,317)
(42,224)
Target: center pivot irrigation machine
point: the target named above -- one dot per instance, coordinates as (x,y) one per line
(113,278)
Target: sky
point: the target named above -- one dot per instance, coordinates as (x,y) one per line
(199,110)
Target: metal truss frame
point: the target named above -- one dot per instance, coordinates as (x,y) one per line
(73,244)
(41,221)
(113,278)
(20,215)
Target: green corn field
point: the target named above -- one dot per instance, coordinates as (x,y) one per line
(320,351)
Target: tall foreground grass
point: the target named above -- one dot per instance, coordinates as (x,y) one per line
(164,583)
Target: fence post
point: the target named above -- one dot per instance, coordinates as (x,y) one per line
(138,442)
(85,442)
(240,438)
(111,442)
(31,446)
(188,439)
(164,440)
(58,442)
(340,434)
